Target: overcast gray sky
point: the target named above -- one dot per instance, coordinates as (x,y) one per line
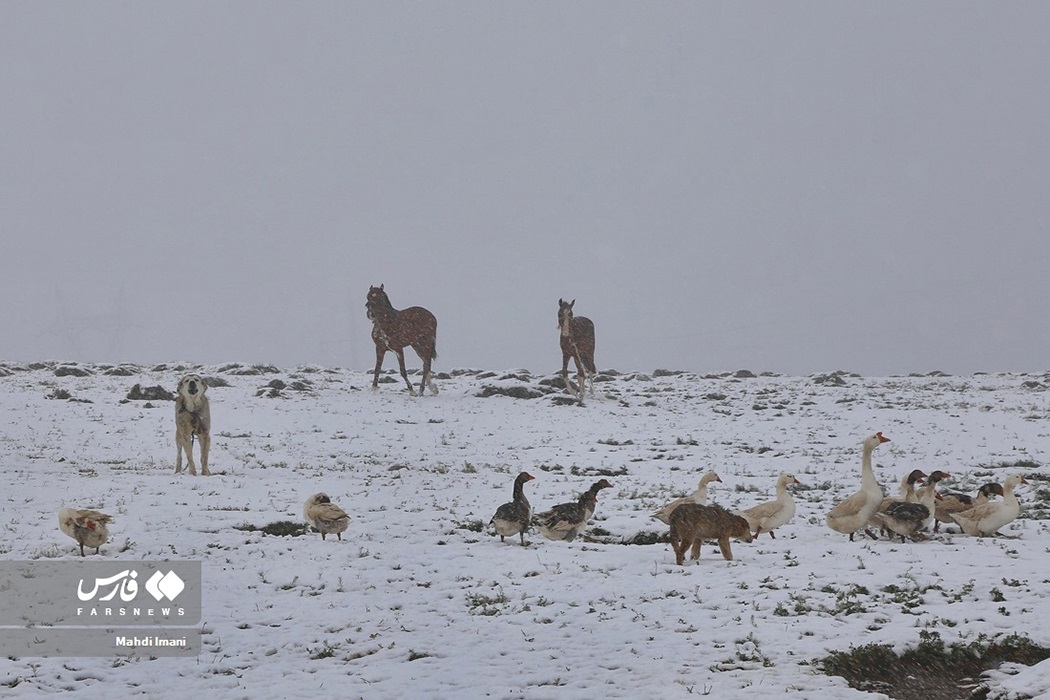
(796,187)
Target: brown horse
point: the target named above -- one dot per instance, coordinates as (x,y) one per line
(394,329)
(577,342)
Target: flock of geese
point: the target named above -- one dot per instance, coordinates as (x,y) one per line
(918,505)
(908,516)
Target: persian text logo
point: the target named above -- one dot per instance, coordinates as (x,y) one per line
(159,585)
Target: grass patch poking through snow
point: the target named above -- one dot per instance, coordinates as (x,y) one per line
(280,528)
(931,670)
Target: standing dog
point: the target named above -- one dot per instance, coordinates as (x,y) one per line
(692,523)
(192,418)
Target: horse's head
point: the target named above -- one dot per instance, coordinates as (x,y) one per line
(376,298)
(565,315)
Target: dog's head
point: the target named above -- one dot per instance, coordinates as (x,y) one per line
(192,387)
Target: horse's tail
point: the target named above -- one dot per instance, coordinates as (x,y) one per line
(434,348)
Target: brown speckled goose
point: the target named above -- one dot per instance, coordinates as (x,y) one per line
(698,497)
(596,488)
(514,517)
(958,502)
(906,518)
(566,520)
(854,512)
(908,494)
(325,516)
(87,527)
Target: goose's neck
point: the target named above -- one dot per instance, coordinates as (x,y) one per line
(867,476)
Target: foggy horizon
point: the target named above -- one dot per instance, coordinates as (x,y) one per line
(785,188)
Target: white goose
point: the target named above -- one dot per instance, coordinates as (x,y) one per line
(986,518)
(325,516)
(698,497)
(770,515)
(87,527)
(854,512)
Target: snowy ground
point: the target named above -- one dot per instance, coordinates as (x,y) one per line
(414,602)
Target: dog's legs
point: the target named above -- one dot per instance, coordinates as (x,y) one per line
(205,441)
(723,544)
(190,464)
(180,447)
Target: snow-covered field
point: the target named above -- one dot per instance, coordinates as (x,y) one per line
(415,602)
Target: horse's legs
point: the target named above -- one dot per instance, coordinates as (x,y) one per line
(425,381)
(565,371)
(591,371)
(404,373)
(380,354)
(426,354)
(581,377)
(428,377)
